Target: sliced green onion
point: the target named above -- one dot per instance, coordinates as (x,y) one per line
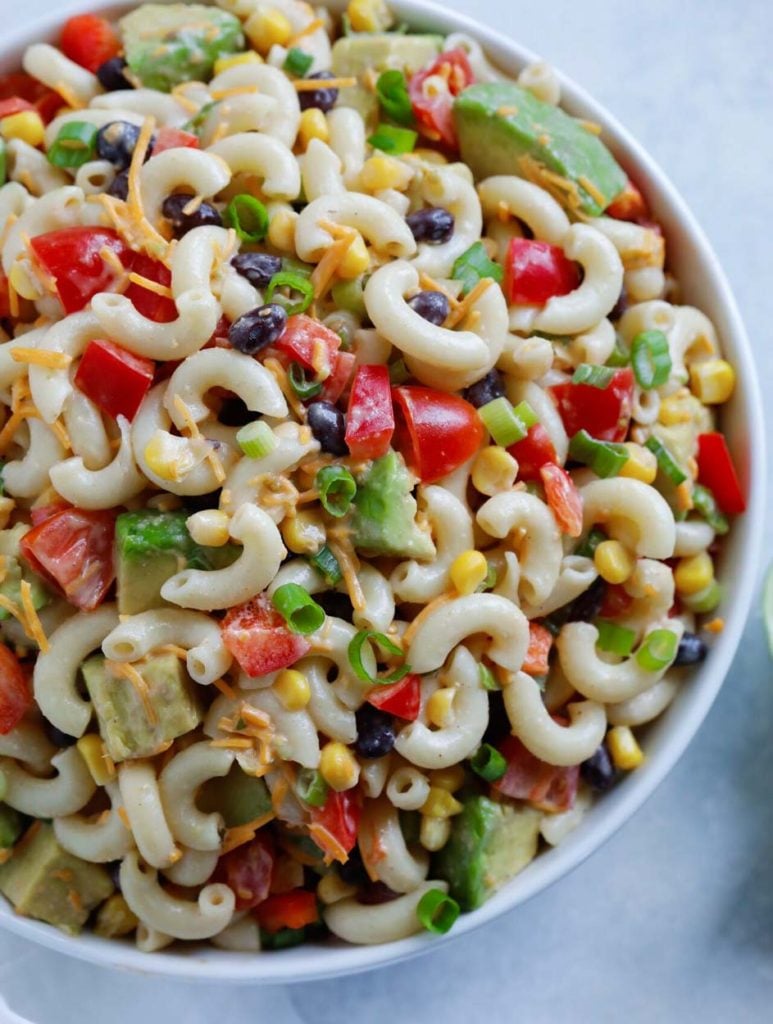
(256,439)
(474,265)
(502,422)
(355,652)
(619,356)
(295,282)
(398,372)
(75,144)
(336,488)
(704,601)
(326,564)
(392,92)
(487,678)
(587,547)
(298,608)
(595,376)
(705,505)
(293,266)
(488,763)
(301,385)
(348,295)
(650,359)
(658,650)
(615,639)
(437,912)
(248,217)
(390,139)
(667,464)
(311,787)
(767,608)
(605,458)
(526,415)
(3,162)
(297,62)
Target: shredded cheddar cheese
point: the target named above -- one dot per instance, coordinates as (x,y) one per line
(152,286)
(33,628)
(309,84)
(41,357)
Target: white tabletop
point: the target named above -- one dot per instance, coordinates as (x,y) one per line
(673,919)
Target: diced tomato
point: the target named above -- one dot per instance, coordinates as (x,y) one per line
(42,512)
(20,84)
(604,412)
(13,105)
(544,785)
(432,109)
(338,820)
(15,691)
(73,550)
(337,382)
(256,634)
(717,472)
(174,138)
(158,308)
(628,205)
(293,909)
(540,642)
(89,40)
(536,271)
(247,870)
(311,344)
(563,498)
(116,380)
(401,699)
(435,432)
(370,421)
(617,601)
(72,257)
(533,452)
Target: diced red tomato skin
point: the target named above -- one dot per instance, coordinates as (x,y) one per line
(340,816)
(563,498)
(15,691)
(89,41)
(533,452)
(628,205)
(338,381)
(73,550)
(717,472)
(536,271)
(158,308)
(540,641)
(604,412)
(434,114)
(72,257)
(436,432)
(370,421)
(114,379)
(14,105)
(305,340)
(174,138)
(403,699)
(247,870)
(42,512)
(546,786)
(293,909)
(45,100)
(256,635)
(617,602)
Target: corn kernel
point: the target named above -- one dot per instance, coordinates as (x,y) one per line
(313,125)
(232,60)
(303,533)
(440,804)
(267,27)
(494,470)
(369,15)
(434,833)
(27,126)
(675,409)
(333,888)
(468,571)
(712,381)
(292,688)
(440,707)
(209,527)
(614,562)
(281,229)
(641,465)
(448,778)
(98,762)
(167,456)
(356,261)
(625,752)
(382,172)
(338,766)
(694,573)
(115,918)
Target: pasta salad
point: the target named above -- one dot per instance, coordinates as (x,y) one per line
(361,485)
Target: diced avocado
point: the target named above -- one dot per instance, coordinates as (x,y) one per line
(499,124)
(239,797)
(384,521)
(10,826)
(16,571)
(138,723)
(45,882)
(489,844)
(167,44)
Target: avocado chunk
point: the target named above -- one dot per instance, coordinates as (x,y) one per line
(10,826)
(139,723)
(43,881)
(239,797)
(16,571)
(384,521)
(489,844)
(167,44)
(501,127)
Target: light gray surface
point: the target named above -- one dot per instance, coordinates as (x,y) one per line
(673,919)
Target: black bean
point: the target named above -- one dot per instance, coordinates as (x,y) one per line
(174,209)
(258,328)
(486,389)
(498,722)
(433,224)
(353,870)
(116,142)
(325,99)
(328,426)
(375,732)
(119,186)
(57,737)
(376,892)
(234,413)
(691,650)
(432,306)
(598,771)
(586,607)
(339,606)
(111,75)
(257,267)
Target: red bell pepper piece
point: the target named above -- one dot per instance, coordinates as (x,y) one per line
(563,498)
(432,109)
(114,379)
(14,105)
(370,421)
(42,512)
(72,257)
(335,825)
(540,642)
(533,452)
(311,344)
(604,412)
(717,472)
(293,909)
(150,304)
(89,41)
(544,785)
(436,432)
(15,691)
(628,205)
(174,138)
(403,699)
(256,634)
(247,870)
(337,382)
(536,271)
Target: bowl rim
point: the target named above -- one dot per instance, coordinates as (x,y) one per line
(334,959)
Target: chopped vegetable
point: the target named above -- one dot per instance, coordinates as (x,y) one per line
(247,871)
(401,699)
(73,259)
(355,653)
(717,472)
(74,145)
(544,785)
(507,425)
(326,564)
(595,376)
(256,439)
(249,219)
(436,432)
(605,458)
(299,610)
(615,639)
(15,691)
(295,282)
(563,499)
(537,271)
(370,420)
(297,62)
(89,40)
(433,106)
(257,636)
(384,519)
(666,462)
(113,378)
(391,139)
(650,359)
(657,650)
(533,452)
(437,912)
(337,489)
(488,763)
(473,266)
(392,92)
(604,413)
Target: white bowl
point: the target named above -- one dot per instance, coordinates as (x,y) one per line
(704,285)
